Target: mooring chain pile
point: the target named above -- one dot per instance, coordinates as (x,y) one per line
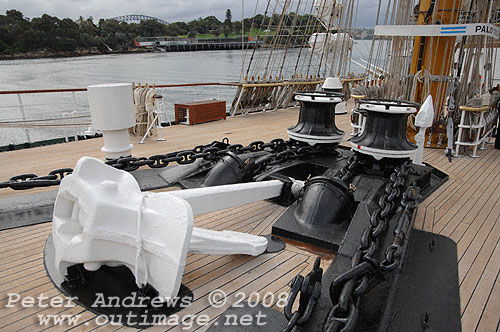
(280,150)
(291,150)
(366,271)
(309,288)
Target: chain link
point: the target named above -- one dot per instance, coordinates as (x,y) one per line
(279,151)
(366,271)
(309,288)
(283,151)
(346,172)
(210,151)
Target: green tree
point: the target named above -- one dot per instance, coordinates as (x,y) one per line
(16,15)
(227,26)
(196,26)
(19,34)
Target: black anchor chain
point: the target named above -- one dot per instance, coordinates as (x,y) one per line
(309,288)
(366,271)
(279,151)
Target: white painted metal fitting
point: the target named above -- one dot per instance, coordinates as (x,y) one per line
(102,218)
(112,112)
(394,109)
(423,120)
(334,84)
(318,97)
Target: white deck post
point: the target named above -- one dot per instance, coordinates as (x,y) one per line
(23,116)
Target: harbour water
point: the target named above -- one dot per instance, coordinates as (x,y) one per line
(151,68)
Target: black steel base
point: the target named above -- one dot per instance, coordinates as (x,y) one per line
(421,297)
(274,244)
(112,292)
(325,237)
(368,184)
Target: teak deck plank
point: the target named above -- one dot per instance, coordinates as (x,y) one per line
(489,320)
(478,300)
(466,208)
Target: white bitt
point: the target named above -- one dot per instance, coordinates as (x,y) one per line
(102,218)
(112,112)
(423,120)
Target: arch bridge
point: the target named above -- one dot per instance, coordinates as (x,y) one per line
(136,18)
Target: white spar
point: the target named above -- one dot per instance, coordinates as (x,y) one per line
(102,218)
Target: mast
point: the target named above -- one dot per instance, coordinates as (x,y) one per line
(434,55)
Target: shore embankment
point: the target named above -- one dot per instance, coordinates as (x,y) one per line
(67,54)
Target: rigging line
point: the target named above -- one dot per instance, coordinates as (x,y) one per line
(330,30)
(400,48)
(258,37)
(284,39)
(306,30)
(443,85)
(318,29)
(252,25)
(370,58)
(301,38)
(335,45)
(346,51)
(243,38)
(356,16)
(276,32)
(337,49)
(276,38)
(459,93)
(316,34)
(292,28)
(485,45)
(343,22)
(387,42)
(257,52)
(325,42)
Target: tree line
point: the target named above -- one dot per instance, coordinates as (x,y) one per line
(19,34)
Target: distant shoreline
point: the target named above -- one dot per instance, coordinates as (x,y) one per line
(81,53)
(65,54)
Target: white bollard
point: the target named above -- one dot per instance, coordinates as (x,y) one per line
(112,112)
(423,120)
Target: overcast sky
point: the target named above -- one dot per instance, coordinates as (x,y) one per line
(169,10)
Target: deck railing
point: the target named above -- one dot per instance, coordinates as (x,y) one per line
(54,113)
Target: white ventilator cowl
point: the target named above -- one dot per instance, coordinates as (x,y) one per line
(112,112)
(332,83)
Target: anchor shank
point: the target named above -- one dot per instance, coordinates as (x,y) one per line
(209,199)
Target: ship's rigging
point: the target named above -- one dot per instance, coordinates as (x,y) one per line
(300,43)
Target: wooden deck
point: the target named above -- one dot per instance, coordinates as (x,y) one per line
(466,208)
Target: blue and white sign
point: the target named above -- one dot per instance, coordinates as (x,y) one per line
(475,29)
(453,30)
